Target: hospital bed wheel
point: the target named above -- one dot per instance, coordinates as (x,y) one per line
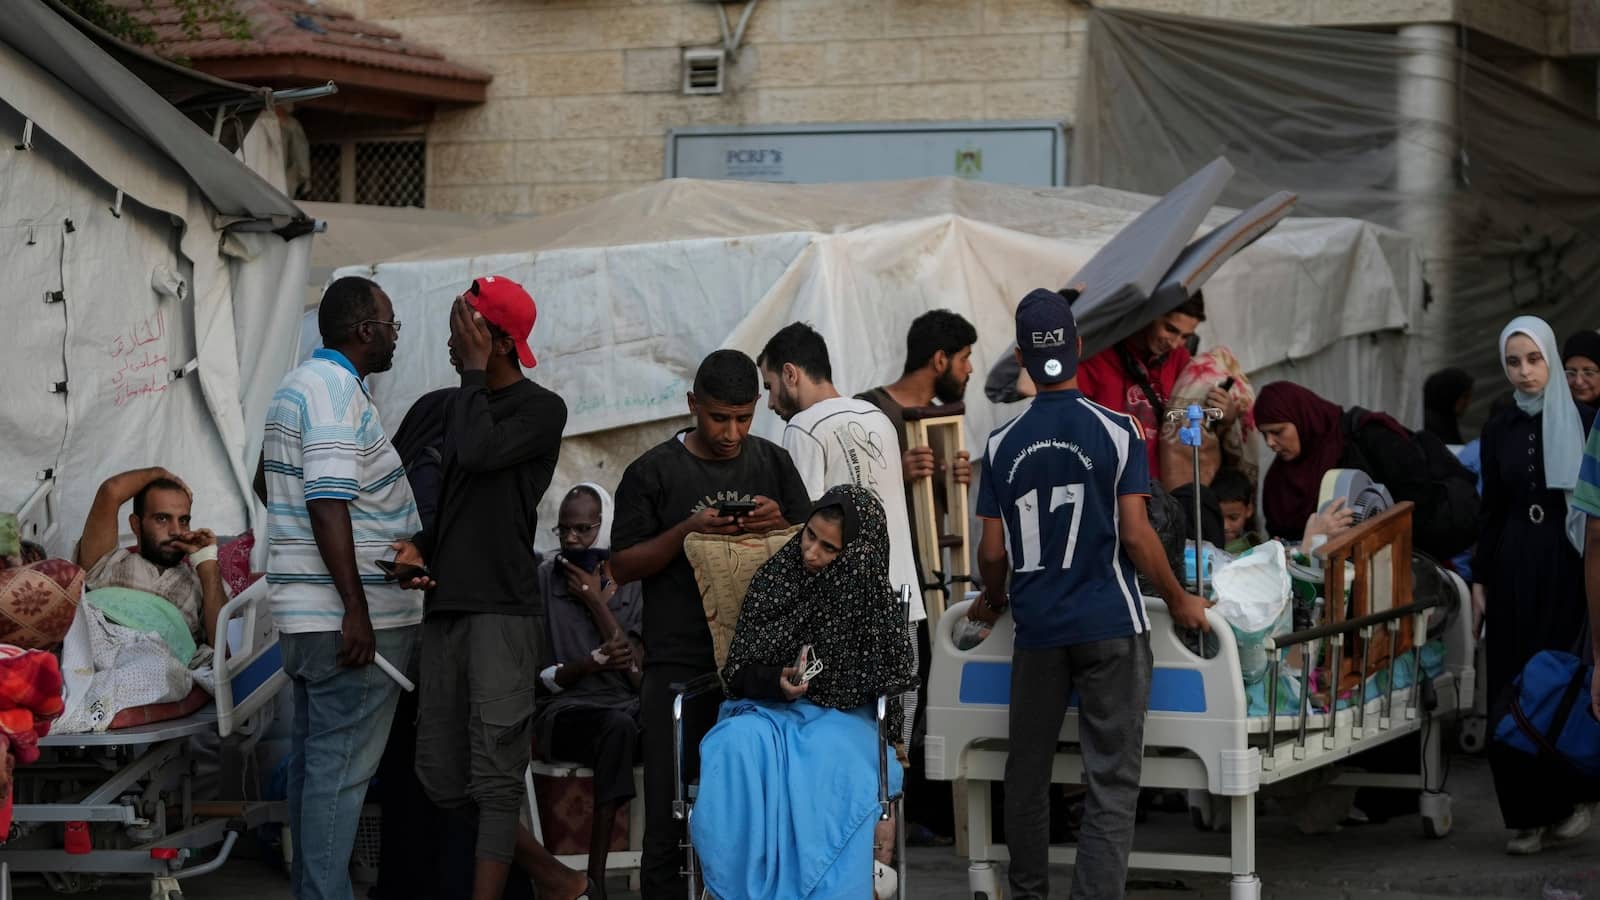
(165,889)
(1244,887)
(984,880)
(1436,818)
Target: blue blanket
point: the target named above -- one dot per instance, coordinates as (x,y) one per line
(788,802)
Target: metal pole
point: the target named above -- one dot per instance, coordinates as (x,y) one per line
(1199,561)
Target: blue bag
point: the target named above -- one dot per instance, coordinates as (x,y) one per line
(1549,713)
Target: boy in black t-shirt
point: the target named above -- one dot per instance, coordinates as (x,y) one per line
(670,492)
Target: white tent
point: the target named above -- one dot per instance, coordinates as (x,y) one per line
(152,291)
(635,289)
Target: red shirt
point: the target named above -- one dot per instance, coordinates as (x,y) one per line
(1104,379)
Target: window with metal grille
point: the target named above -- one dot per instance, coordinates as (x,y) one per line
(324,181)
(379,172)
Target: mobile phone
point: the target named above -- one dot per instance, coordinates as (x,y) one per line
(800,664)
(1226,383)
(393,571)
(736,507)
(588,559)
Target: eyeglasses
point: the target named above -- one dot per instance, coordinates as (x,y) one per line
(577,530)
(394,324)
(1582,373)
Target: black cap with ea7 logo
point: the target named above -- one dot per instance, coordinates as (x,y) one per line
(1047,335)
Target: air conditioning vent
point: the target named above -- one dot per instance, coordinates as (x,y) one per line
(703,70)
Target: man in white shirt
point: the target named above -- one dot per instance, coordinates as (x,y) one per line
(839,440)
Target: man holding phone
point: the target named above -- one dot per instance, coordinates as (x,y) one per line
(336,498)
(713,478)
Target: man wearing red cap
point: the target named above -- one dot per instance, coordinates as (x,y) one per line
(481,630)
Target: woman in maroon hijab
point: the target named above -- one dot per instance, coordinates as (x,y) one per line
(1310,435)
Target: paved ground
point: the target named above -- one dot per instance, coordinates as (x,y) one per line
(1392,861)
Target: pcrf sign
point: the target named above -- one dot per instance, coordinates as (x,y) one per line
(1030,153)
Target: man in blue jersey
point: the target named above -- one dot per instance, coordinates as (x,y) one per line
(1062,498)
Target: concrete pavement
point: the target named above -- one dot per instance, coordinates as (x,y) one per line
(1391,860)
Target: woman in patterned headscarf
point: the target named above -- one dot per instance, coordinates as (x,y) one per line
(789,775)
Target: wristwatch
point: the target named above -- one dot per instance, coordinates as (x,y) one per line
(993,608)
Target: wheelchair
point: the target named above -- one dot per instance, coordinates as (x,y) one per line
(694,710)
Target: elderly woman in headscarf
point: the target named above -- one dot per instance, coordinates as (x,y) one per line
(1310,436)
(1528,571)
(787,806)
(590,713)
(1445,396)
(1581,357)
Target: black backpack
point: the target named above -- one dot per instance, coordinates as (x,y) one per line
(1446,520)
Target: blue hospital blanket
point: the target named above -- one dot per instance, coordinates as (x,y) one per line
(1377,684)
(788,802)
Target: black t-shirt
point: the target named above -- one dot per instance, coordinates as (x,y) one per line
(499,453)
(669,484)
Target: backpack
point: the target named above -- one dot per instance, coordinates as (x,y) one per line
(1446,521)
(1549,714)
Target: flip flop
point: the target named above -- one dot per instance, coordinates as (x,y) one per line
(919,835)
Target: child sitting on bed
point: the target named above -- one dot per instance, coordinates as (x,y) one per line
(761,826)
(1236,495)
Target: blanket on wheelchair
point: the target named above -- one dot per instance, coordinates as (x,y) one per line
(788,802)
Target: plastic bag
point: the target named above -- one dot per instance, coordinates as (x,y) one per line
(1253,595)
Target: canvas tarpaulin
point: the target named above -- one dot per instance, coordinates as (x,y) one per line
(1496,181)
(635,290)
(163,324)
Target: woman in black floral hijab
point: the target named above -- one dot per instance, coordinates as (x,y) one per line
(788,779)
(829,588)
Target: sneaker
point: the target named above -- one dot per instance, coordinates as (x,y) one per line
(1528,842)
(1574,825)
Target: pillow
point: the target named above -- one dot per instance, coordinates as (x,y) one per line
(38,602)
(134,716)
(723,566)
(144,611)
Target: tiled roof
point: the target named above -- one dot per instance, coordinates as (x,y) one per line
(290,28)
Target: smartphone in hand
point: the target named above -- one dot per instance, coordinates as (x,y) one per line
(736,508)
(393,571)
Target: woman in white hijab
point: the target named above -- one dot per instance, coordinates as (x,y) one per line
(1528,569)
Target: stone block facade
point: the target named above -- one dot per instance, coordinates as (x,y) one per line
(585,90)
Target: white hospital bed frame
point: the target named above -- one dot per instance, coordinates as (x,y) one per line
(1198,706)
(123,782)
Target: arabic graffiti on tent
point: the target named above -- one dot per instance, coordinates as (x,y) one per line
(143,369)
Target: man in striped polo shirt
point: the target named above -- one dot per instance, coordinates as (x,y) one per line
(337,498)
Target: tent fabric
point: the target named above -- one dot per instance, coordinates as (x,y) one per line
(32,29)
(1494,180)
(635,290)
(168,322)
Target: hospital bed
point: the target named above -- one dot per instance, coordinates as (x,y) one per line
(1201,735)
(132,788)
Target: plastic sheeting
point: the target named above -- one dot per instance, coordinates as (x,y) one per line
(1495,180)
(152,287)
(635,290)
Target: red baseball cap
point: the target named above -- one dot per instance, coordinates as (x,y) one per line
(505,303)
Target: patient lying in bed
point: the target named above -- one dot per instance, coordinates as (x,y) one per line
(141,631)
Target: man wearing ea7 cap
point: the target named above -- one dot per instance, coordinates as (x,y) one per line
(481,629)
(1062,497)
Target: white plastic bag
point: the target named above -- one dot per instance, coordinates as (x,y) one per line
(1253,595)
